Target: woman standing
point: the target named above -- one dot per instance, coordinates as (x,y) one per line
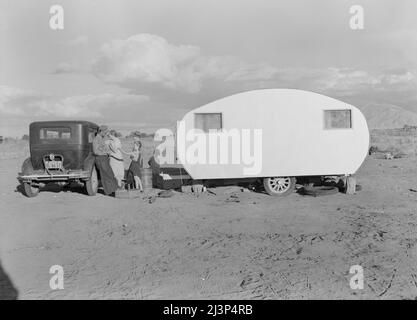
(116,158)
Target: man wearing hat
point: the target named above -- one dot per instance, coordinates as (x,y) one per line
(101,150)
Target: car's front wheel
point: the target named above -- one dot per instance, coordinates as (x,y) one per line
(91,185)
(279,186)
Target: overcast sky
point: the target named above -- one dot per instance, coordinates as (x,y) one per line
(143,64)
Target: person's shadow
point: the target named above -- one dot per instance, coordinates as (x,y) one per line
(7,290)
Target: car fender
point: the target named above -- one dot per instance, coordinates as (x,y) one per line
(89,162)
(27,167)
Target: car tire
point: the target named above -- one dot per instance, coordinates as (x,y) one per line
(279,186)
(319,191)
(91,185)
(28,190)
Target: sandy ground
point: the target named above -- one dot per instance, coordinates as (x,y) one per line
(190,247)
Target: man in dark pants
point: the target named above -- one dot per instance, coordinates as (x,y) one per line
(100,150)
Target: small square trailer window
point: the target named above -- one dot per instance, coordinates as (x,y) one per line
(337,119)
(208,121)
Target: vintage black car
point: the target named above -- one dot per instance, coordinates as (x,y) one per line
(60,152)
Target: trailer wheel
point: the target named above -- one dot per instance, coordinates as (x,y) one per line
(91,185)
(29,190)
(279,186)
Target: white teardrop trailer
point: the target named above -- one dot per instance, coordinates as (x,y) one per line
(274,136)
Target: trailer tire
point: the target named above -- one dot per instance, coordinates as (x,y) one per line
(28,190)
(279,186)
(319,191)
(91,185)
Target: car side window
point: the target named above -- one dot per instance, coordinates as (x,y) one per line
(91,134)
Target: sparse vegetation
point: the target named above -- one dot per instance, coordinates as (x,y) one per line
(140,134)
(396,141)
(13,148)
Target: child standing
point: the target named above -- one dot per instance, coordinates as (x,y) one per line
(137,163)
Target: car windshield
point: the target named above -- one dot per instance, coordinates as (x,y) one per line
(55,133)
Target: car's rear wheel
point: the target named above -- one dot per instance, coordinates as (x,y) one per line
(29,190)
(279,186)
(91,185)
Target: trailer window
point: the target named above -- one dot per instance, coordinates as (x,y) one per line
(55,133)
(208,121)
(337,119)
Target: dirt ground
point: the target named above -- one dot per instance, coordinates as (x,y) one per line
(245,246)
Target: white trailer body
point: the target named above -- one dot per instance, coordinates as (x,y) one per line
(303,134)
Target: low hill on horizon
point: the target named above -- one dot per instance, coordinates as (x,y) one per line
(387,116)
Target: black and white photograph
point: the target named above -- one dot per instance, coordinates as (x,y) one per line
(183,150)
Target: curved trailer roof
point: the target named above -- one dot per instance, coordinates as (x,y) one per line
(296,141)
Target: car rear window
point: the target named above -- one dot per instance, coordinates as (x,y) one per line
(55,133)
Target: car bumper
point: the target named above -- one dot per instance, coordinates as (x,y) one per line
(45,177)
